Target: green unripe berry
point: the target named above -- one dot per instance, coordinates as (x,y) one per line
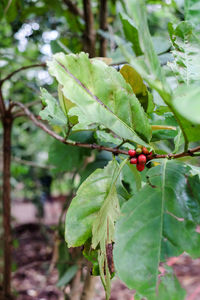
(138,150)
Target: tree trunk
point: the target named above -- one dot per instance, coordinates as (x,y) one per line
(103,26)
(90,34)
(7,127)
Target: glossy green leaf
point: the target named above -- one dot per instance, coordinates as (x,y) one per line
(52,111)
(157,222)
(101,95)
(138,233)
(179,194)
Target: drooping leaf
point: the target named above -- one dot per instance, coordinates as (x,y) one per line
(101,95)
(52,111)
(86,205)
(104,228)
(149,225)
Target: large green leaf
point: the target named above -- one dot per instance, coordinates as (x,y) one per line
(157,222)
(138,241)
(180,195)
(101,95)
(85,207)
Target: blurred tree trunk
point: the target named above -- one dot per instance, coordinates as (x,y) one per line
(103,27)
(7,127)
(90,34)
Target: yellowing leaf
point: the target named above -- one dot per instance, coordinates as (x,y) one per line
(134,79)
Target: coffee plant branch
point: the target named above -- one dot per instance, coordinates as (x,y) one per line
(115,151)
(19,70)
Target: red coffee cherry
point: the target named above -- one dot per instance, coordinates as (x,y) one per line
(145,150)
(142,159)
(132,152)
(140,167)
(133,161)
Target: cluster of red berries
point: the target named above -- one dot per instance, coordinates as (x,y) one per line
(139,157)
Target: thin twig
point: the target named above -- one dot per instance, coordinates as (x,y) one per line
(115,151)
(31,163)
(73,8)
(19,113)
(103,27)
(21,69)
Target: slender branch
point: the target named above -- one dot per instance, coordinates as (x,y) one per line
(103,26)
(19,70)
(2,104)
(31,163)
(73,8)
(19,113)
(115,151)
(190,152)
(90,34)
(41,125)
